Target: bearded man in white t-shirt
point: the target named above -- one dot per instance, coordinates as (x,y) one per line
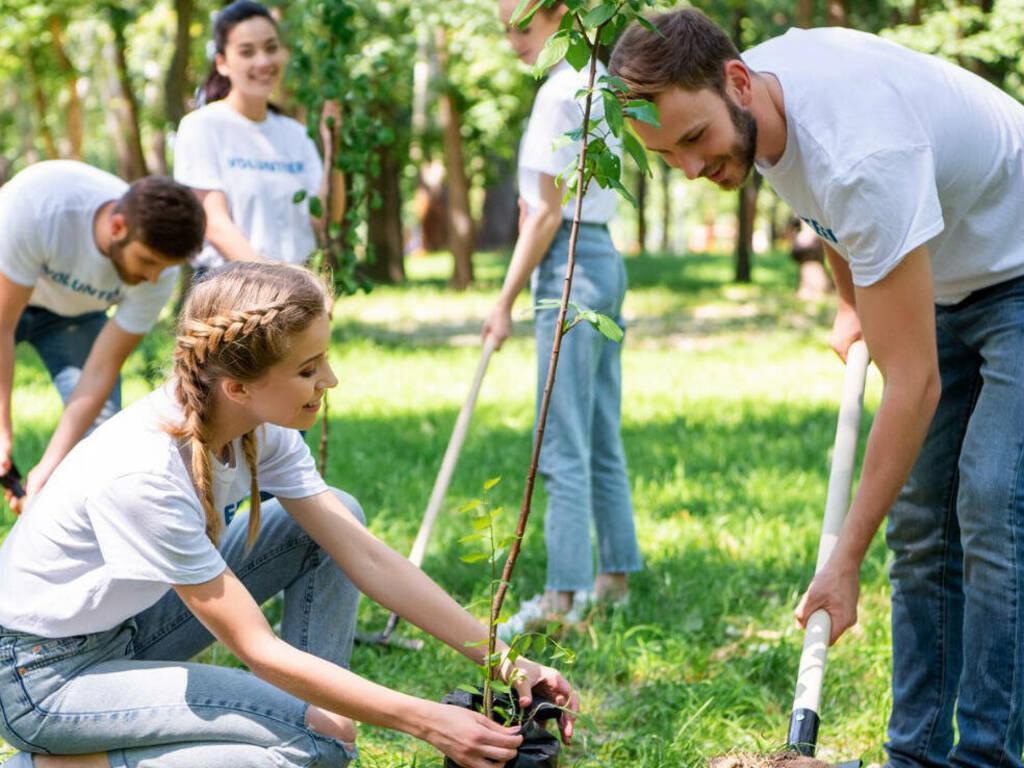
(911,171)
(75,241)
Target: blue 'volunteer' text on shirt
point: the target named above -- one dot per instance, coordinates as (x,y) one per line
(823,232)
(71,283)
(271,166)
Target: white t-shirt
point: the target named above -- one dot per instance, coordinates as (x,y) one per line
(46,241)
(119,522)
(888,149)
(259,166)
(556,110)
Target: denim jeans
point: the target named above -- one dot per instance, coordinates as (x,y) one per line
(63,344)
(582,460)
(957,535)
(129,691)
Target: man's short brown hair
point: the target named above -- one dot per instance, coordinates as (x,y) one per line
(164,216)
(690,53)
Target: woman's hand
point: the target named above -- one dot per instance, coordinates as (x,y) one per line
(526,676)
(498,325)
(469,738)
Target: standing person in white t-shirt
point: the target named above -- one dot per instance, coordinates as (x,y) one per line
(133,559)
(911,171)
(244,159)
(582,459)
(75,241)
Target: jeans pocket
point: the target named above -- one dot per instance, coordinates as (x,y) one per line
(35,652)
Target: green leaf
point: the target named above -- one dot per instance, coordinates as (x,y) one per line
(636,150)
(649,27)
(467,688)
(481,523)
(607,327)
(473,557)
(617,185)
(316,208)
(598,15)
(299,196)
(472,538)
(469,506)
(578,54)
(614,83)
(644,111)
(554,51)
(492,482)
(520,18)
(612,111)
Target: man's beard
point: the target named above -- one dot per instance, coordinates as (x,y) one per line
(745,147)
(117,259)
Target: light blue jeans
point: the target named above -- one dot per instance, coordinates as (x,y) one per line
(957,534)
(582,460)
(131,693)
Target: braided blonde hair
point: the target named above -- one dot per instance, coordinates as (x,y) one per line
(236,324)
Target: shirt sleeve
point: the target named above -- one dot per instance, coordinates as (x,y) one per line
(21,246)
(139,309)
(886,206)
(195,153)
(554,113)
(286,466)
(152,529)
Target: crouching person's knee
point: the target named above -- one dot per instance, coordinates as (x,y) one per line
(351,504)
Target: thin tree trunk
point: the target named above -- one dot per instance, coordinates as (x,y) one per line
(746,208)
(130,107)
(641,212)
(805,13)
(384,224)
(174,83)
(39,100)
(460,222)
(74,114)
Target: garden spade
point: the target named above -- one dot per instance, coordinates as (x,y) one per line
(444,476)
(802,739)
(803,724)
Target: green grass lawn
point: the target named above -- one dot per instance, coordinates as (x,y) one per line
(729,403)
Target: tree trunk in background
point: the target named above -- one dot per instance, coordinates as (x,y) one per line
(174,83)
(136,160)
(500,218)
(666,208)
(384,223)
(460,222)
(74,114)
(746,209)
(39,100)
(641,212)
(804,13)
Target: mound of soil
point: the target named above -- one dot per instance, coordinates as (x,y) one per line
(777,760)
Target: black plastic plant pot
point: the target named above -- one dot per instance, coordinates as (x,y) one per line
(539,748)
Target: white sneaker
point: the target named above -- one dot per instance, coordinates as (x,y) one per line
(530,612)
(582,601)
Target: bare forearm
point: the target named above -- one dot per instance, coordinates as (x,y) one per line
(534,239)
(6,385)
(229,240)
(338,690)
(893,445)
(842,277)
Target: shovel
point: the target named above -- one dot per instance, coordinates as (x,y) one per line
(803,724)
(444,476)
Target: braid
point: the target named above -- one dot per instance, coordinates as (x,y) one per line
(194,397)
(249,449)
(204,337)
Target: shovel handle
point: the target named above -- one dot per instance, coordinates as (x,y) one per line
(804,722)
(451,455)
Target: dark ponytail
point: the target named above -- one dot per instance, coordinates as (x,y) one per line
(217,86)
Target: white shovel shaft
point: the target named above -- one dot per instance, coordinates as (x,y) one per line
(451,456)
(837,503)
